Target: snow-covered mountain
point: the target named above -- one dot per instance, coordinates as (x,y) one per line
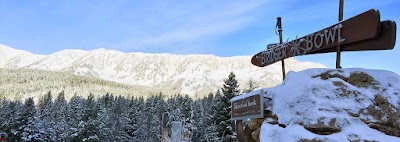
(186,74)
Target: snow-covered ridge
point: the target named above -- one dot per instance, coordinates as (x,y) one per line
(16,58)
(187,74)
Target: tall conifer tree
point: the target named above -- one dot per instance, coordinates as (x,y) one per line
(225,126)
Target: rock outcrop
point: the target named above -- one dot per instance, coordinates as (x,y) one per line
(331,105)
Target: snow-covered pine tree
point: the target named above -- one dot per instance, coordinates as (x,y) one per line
(75,113)
(104,118)
(152,120)
(132,122)
(250,86)
(141,132)
(187,118)
(45,115)
(10,118)
(175,108)
(202,113)
(5,111)
(90,129)
(121,119)
(225,126)
(31,128)
(104,123)
(198,113)
(106,100)
(212,128)
(59,114)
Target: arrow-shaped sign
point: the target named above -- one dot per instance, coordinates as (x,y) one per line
(385,41)
(356,29)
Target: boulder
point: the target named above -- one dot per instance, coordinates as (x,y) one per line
(333,105)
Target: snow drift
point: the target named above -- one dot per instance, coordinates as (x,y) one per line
(334,105)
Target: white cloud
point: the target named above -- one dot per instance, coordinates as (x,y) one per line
(196,25)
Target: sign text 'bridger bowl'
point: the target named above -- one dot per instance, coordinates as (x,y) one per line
(362,32)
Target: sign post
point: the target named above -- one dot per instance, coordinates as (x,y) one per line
(164,122)
(341,3)
(176,129)
(279,26)
(245,107)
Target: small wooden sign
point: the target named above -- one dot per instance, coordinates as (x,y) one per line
(361,27)
(246,106)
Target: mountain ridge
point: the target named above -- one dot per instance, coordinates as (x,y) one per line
(186,74)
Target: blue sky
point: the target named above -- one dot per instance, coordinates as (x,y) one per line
(222,28)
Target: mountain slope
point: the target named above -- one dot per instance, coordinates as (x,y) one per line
(186,74)
(24,83)
(13,58)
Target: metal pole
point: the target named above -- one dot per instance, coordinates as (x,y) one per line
(279,26)
(341,3)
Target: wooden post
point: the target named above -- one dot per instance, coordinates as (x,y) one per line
(279,26)
(341,3)
(164,121)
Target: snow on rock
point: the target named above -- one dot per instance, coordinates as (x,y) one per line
(335,105)
(295,132)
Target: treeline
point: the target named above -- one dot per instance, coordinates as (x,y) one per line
(116,118)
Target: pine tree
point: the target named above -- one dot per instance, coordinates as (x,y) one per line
(104,122)
(140,134)
(10,120)
(212,128)
(152,120)
(75,115)
(121,118)
(225,126)
(31,128)
(175,108)
(90,129)
(132,122)
(203,112)
(45,115)
(187,118)
(198,115)
(59,115)
(5,110)
(250,86)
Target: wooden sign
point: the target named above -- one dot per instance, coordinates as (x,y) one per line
(385,41)
(361,27)
(246,106)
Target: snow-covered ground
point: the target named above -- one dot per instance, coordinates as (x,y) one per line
(354,104)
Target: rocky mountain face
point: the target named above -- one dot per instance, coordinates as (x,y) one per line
(185,74)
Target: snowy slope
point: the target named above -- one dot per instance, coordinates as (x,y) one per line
(24,83)
(58,61)
(13,58)
(186,74)
(352,104)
